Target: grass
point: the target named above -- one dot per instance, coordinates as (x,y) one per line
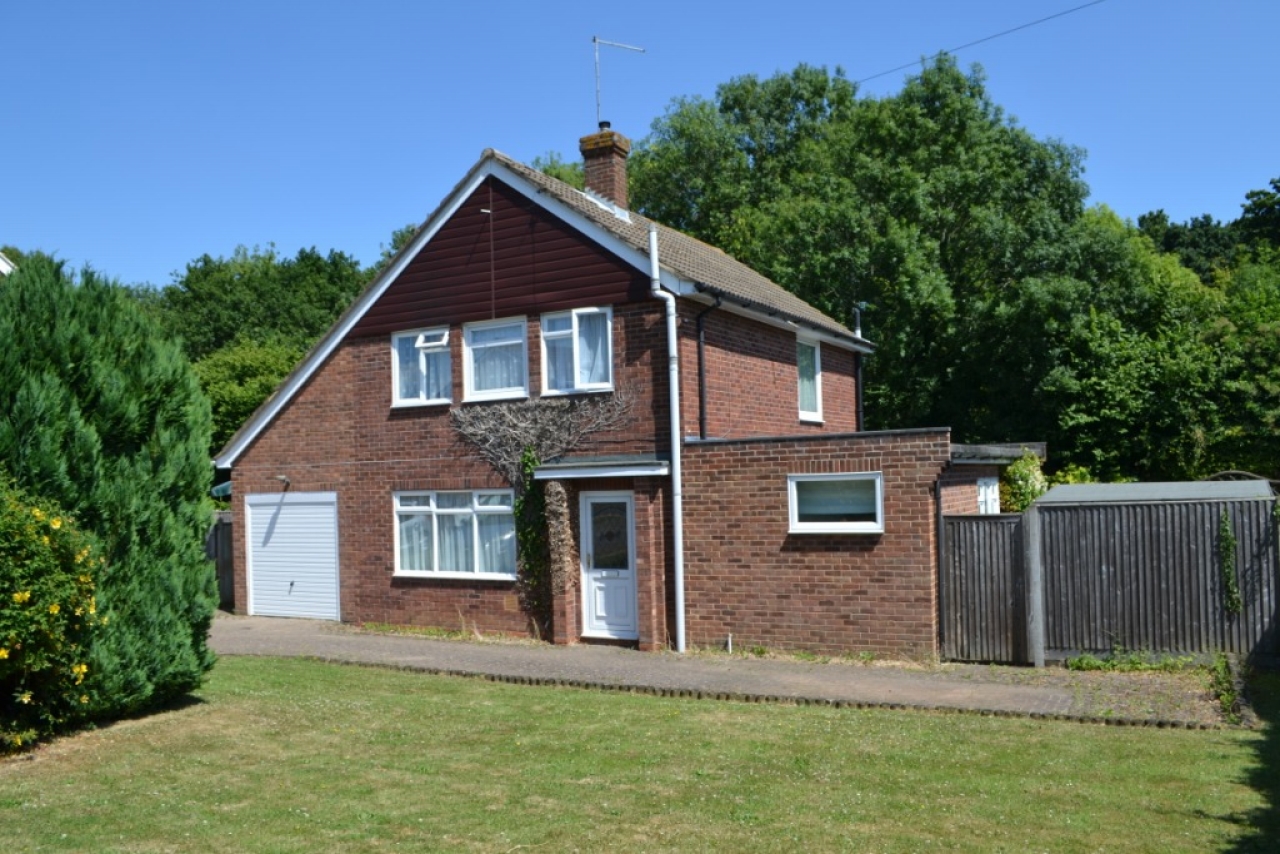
(292,756)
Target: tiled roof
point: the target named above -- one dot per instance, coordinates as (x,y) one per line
(708,268)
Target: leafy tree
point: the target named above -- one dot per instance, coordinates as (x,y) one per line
(238,377)
(1203,244)
(254,304)
(999,305)
(1260,220)
(571,172)
(1247,335)
(920,206)
(256,294)
(101,413)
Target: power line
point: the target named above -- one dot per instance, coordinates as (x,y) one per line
(986,39)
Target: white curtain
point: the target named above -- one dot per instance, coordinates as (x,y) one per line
(497,357)
(436,378)
(415,542)
(497,542)
(407,364)
(593,348)
(560,364)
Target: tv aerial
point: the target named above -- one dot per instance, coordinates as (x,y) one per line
(596,41)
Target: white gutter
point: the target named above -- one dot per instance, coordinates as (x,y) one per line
(673,380)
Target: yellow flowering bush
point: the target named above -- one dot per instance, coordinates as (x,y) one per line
(48,614)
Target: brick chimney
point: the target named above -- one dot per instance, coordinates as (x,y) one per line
(604,160)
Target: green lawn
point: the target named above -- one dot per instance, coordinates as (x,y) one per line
(286,755)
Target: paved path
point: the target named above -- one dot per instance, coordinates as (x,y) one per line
(651,672)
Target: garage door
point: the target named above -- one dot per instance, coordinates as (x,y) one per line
(293,554)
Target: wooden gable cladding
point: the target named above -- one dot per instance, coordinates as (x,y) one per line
(532,263)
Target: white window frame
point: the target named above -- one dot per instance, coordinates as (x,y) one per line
(470,392)
(429,342)
(475,510)
(793,503)
(988,495)
(572,334)
(815,415)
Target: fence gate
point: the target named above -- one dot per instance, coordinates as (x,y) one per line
(983,589)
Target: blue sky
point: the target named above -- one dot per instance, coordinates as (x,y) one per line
(139,135)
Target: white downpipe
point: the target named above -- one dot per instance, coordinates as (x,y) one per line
(673,380)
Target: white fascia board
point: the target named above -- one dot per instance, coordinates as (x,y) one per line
(623,470)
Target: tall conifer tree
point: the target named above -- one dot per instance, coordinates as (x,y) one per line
(101,413)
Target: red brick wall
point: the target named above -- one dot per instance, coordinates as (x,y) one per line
(752,384)
(960,488)
(340,434)
(746,575)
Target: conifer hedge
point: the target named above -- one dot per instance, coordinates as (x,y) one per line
(101,414)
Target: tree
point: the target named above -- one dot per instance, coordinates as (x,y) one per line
(917,206)
(255,294)
(1260,220)
(254,304)
(999,305)
(238,377)
(571,172)
(101,413)
(1203,244)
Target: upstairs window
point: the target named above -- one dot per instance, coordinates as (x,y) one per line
(453,534)
(850,503)
(577,351)
(420,369)
(809,368)
(496,359)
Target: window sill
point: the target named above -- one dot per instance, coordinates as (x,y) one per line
(522,394)
(571,392)
(808,418)
(418,404)
(458,576)
(867,530)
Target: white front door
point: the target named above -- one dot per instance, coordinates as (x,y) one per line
(609,565)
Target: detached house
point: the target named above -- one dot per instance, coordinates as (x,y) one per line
(732,492)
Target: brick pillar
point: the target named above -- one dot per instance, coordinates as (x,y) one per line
(564,570)
(604,160)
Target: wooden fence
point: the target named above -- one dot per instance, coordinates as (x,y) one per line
(1062,580)
(217,547)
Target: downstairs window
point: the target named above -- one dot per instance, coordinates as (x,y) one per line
(851,503)
(456,534)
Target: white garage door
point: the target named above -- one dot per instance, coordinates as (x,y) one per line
(293,554)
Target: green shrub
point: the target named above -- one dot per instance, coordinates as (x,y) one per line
(101,413)
(1022,483)
(48,615)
